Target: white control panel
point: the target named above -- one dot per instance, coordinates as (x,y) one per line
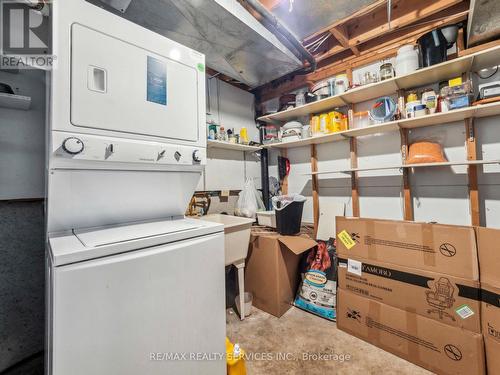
(107,149)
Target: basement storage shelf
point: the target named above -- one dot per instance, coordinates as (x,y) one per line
(231,146)
(484,110)
(421,77)
(15,101)
(419,165)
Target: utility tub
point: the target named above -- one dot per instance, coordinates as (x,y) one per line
(236,241)
(236,236)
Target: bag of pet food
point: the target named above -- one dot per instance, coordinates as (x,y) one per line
(317,292)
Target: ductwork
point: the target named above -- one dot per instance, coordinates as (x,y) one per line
(283,34)
(234,42)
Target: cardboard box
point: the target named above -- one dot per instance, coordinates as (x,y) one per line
(436,346)
(447,299)
(488,246)
(447,249)
(271,271)
(490,313)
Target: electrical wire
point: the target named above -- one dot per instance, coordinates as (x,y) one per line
(491,75)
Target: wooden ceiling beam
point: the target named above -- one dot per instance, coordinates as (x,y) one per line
(368,9)
(371,51)
(341,34)
(403,13)
(427,14)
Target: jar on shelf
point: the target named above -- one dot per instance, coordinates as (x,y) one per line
(315,125)
(360,120)
(386,71)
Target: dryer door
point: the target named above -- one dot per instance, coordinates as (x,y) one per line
(122,87)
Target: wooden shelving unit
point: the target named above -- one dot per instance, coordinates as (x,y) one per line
(396,86)
(478,111)
(421,77)
(231,146)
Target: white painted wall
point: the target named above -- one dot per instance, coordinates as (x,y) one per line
(439,193)
(231,108)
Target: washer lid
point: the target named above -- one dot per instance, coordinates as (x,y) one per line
(117,234)
(91,243)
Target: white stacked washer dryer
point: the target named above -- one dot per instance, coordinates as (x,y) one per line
(133,287)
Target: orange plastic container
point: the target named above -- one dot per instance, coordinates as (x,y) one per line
(425,152)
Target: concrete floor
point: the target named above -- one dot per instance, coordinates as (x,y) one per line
(299,332)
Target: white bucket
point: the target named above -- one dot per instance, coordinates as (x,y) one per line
(248,299)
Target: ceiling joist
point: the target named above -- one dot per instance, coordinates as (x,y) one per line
(364,38)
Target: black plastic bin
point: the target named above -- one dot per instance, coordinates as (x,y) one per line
(289,219)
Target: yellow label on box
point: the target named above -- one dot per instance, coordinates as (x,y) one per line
(455,82)
(346,239)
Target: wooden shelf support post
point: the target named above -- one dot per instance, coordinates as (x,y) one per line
(408,202)
(315,188)
(354,178)
(472,171)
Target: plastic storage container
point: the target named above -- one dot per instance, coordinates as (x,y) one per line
(361,120)
(406,60)
(288,210)
(267,218)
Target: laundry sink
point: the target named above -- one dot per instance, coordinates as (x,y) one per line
(236,236)
(236,240)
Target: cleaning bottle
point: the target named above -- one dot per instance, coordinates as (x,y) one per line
(235,359)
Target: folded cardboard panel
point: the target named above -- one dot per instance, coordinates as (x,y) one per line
(447,299)
(448,249)
(488,247)
(271,271)
(490,315)
(428,343)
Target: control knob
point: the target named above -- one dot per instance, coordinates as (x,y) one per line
(72,145)
(196,156)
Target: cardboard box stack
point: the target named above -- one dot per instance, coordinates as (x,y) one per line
(412,289)
(271,271)
(488,241)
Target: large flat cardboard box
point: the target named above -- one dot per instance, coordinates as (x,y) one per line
(271,271)
(488,246)
(447,249)
(447,299)
(433,345)
(491,327)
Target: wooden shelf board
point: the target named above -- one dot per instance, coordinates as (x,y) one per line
(435,73)
(421,77)
(305,110)
(371,91)
(420,165)
(231,146)
(327,138)
(372,129)
(437,118)
(484,110)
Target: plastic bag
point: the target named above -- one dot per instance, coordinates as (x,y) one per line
(249,201)
(281,201)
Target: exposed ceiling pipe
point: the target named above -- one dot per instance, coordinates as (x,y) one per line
(282,33)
